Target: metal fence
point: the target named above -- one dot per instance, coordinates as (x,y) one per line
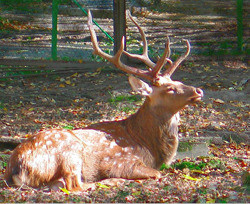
(26,34)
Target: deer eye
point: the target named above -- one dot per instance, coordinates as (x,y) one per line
(170,90)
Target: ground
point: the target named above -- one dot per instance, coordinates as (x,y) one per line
(75,100)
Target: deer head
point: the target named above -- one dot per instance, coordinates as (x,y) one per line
(163,90)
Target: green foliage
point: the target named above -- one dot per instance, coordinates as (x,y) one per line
(121,195)
(68,59)
(97,58)
(69,127)
(9,72)
(31,6)
(3,21)
(214,164)
(246,178)
(164,166)
(119,100)
(190,165)
(122,98)
(199,165)
(16,2)
(3,161)
(185,146)
(221,48)
(1,105)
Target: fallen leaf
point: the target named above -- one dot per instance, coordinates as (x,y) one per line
(103,186)
(68,82)
(219,101)
(191,178)
(64,190)
(136,193)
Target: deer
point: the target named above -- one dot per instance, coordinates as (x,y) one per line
(132,148)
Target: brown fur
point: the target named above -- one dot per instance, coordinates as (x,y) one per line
(133,148)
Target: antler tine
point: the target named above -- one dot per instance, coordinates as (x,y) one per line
(173,67)
(144,57)
(97,49)
(115,59)
(163,60)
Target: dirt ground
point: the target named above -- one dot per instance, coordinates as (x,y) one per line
(75,100)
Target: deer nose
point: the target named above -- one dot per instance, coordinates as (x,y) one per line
(199,92)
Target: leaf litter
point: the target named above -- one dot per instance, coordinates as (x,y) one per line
(75,101)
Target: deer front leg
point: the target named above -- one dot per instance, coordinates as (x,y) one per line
(73,182)
(143,172)
(137,170)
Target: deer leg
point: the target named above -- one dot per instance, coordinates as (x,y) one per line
(144,172)
(113,181)
(57,184)
(73,182)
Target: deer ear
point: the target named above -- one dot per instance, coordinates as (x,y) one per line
(140,86)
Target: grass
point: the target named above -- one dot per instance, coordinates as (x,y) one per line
(9,72)
(125,103)
(222,48)
(123,98)
(185,146)
(21,5)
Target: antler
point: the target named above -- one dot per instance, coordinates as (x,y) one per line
(173,66)
(116,58)
(144,57)
(153,74)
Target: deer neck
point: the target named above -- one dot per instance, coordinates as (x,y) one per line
(155,131)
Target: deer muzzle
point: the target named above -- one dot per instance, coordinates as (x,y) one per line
(198,94)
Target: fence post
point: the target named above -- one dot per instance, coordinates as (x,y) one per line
(119,16)
(240,25)
(54,29)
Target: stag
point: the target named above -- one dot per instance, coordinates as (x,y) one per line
(133,148)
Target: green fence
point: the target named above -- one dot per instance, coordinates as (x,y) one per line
(25,29)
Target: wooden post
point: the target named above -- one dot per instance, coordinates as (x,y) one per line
(119,16)
(54,29)
(240,25)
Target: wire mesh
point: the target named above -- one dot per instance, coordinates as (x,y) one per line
(26,28)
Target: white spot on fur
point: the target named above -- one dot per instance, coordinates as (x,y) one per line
(68,134)
(44,147)
(48,143)
(29,151)
(54,131)
(112,144)
(106,159)
(135,158)
(53,151)
(36,144)
(119,165)
(65,154)
(22,156)
(88,143)
(102,139)
(125,149)
(118,154)
(46,137)
(57,135)
(114,163)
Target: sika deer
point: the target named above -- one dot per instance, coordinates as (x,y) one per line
(133,148)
